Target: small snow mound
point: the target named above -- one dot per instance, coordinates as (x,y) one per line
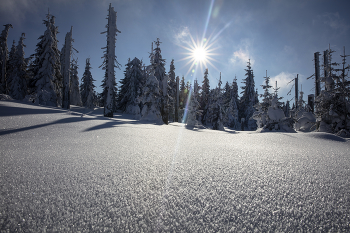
(343,133)
(326,136)
(5,97)
(305,122)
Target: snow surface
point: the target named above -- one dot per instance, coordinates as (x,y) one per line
(74,170)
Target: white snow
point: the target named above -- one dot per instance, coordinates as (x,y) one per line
(75,170)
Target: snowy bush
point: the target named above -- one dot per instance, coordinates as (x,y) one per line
(272,119)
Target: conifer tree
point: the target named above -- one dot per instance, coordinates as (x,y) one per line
(267,96)
(11,67)
(46,67)
(130,89)
(159,72)
(182,96)
(18,85)
(109,63)
(204,100)
(75,97)
(193,110)
(248,98)
(172,91)
(87,87)
(151,100)
(216,112)
(4,57)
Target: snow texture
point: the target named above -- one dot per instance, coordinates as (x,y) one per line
(67,172)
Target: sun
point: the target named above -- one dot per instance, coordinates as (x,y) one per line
(199,54)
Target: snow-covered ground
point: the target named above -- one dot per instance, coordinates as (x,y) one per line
(64,171)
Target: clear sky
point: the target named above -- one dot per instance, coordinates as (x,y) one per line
(279,36)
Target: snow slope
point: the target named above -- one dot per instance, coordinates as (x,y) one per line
(61,171)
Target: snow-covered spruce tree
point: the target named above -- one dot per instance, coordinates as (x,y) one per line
(46,67)
(230,107)
(151,100)
(109,84)
(182,96)
(248,99)
(193,110)
(172,91)
(87,87)
(204,97)
(75,97)
(159,72)
(267,96)
(18,84)
(4,57)
(66,53)
(215,110)
(130,89)
(11,67)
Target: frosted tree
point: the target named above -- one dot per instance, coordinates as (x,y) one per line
(151,100)
(4,57)
(75,97)
(230,107)
(248,98)
(109,63)
(204,98)
(267,96)
(18,84)
(193,110)
(172,91)
(65,66)
(46,68)
(11,67)
(130,89)
(215,112)
(159,72)
(182,96)
(87,87)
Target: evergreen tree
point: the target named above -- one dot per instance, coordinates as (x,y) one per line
(193,110)
(182,95)
(109,84)
(151,99)
(267,96)
(46,68)
(87,86)
(131,85)
(4,57)
(75,97)
(159,72)
(230,107)
(248,99)
(215,110)
(11,67)
(18,85)
(172,91)
(204,100)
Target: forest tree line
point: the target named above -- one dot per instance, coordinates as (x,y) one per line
(50,77)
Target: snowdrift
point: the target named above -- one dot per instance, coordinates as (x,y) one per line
(75,170)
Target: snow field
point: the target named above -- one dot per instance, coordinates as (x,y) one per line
(61,171)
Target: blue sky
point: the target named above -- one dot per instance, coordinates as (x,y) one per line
(278,36)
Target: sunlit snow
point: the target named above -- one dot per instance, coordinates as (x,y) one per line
(74,170)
